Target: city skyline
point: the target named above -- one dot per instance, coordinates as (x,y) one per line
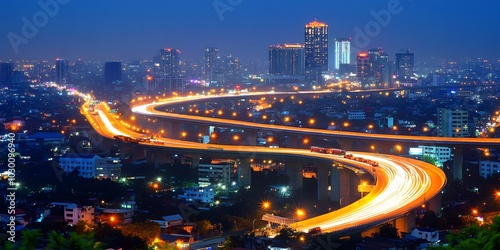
(243,28)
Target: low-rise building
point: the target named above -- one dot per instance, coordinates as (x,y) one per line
(72,213)
(441,154)
(429,234)
(212,174)
(356,115)
(91,166)
(199,194)
(488,168)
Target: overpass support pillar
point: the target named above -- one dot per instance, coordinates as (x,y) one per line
(150,156)
(138,153)
(159,158)
(105,145)
(458,158)
(434,204)
(344,185)
(172,130)
(406,223)
(251,137)
(294,172)
(244,173)
(124,151)
(323,182)
(195,160)
(291,141)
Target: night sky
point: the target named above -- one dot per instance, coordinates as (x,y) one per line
(125,29)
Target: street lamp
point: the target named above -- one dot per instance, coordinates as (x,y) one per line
(300,213)
(305,141)
(363,185)
(266,205)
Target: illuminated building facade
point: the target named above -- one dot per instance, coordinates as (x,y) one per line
(362,68)
(379,67)
(211,64)
(168,63)
(286,60)
(453,122)
(61,71)
(316,51)
(342,52)
(404,64)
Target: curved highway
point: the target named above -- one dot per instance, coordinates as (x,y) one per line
(151,110)
(402,184)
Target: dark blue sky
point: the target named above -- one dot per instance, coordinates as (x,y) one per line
(125,29)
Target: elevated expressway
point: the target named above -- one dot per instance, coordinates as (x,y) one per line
(401,184)
(156,110)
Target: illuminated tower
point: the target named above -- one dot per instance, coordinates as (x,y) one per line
(211,64)
(342,52)
(316,51)
(404,64)
(362,68)
(61,68)
(169,63)
(286,60)
(379,63)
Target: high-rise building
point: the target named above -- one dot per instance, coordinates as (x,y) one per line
(169,63)
(404,64)
(6,75)
(112,72)
(211,64)
(316,51)
(379,63)
(452,122)
(342,52)
(61,71)
(232,70)
(286,60)
(362,68)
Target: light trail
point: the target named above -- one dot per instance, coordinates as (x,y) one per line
(402,184)
(151,111)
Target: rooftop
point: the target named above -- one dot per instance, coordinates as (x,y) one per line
(316,24)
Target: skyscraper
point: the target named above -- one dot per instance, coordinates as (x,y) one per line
(112,72)
(286,60)
(362,68)
(169,63)
(316,51)
(404,64)
(379,64)
(211,64)
(342,52)
(61,71)
(5,75)
(232,70)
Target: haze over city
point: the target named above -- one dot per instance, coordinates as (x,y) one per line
(126,30)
